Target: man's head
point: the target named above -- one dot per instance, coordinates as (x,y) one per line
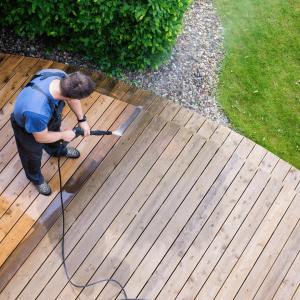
(77,86)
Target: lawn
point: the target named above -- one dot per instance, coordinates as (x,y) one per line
(259,84)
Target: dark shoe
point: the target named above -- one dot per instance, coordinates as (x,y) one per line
(72,152)
(44,189)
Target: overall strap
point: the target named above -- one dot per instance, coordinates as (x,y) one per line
(44,76)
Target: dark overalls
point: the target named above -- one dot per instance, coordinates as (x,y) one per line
(30,151)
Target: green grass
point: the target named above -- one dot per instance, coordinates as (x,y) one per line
(259,87)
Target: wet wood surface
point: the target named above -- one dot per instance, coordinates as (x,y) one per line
(178,207)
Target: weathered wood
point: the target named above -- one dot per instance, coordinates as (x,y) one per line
(170,111)
(192,214)
(32,264)
(183,116)
(39,66)
(208,282)
(11,62)
(106,86)
(195,122)
(290,282)
(132,95)
(208,128)
(3,58)
(257,155)
(281,170)
(6,134)
(244,234)
(119,90)
(11,87)
(285,242)
(26,65)
(254,252)
(145,100)
(158,105)
(292,178)
(269,162)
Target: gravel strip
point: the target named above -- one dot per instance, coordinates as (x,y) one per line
(189,77)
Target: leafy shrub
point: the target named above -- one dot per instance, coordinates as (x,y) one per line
(130,33)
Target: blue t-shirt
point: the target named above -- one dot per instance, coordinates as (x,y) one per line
(32,109)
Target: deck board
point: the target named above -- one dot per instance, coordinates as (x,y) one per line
(179,207)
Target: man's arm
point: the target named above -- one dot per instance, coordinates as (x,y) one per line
(75,106)
(52,136)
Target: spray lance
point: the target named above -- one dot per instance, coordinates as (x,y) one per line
(79,131)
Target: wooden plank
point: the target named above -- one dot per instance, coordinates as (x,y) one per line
(3,58)
(153,203)
(7,153)
(292,178)
(165,274)
(119,90)
(208,128)
(49,170)
(26,65)
(106,86)
(195,122)
(257,155)
(11,87)
(251,259)
(236,233)
(6,134)
(8,108)
(178,202)
(42,251)
(39,66)
(281,170)
(145,100)
(183,116)
(269,162)
(291,281)
(132,95)
(170,111)
(158,105)
(57,65)
(179,234)
(5,76)
(87,243)
(297,294)
(278,255)
(11,62)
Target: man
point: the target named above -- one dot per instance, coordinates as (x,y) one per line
(36,119)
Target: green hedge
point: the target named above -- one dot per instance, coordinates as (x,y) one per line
(131,33)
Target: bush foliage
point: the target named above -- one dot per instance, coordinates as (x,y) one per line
(130,33)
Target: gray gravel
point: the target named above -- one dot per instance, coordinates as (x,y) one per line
(189,77)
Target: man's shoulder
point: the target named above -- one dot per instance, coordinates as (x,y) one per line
(51,71)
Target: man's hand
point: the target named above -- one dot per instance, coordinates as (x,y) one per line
(86,128)
(68,135)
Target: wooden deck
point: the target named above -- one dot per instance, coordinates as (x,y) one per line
(177,208)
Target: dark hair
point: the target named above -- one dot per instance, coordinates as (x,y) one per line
(77,86)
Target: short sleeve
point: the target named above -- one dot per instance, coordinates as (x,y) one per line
(35,122)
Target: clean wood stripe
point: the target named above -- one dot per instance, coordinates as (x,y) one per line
(76,207)
(11,62)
